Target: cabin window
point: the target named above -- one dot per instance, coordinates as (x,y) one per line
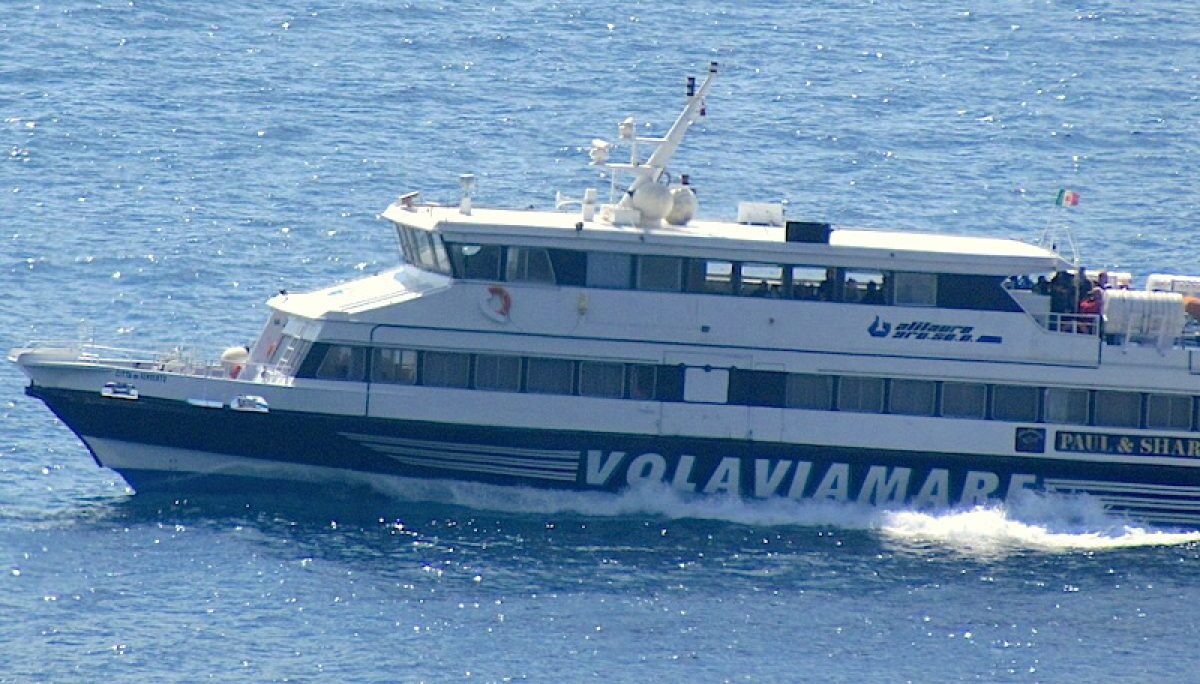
(430,253)
(757,388)
(713,277)
(641,381)
(912,397)
(445,369)
(914,289)
(964,400)
(1169,411)
(569,266)
(864,287)
(397,366)
(342,362)
(809,391)
(1066,406)
(659,273)
(860,394)
(762,280)
(812,283)
(549,376)
(1016,403)
(476,262)
(668,383)
(609,270)
(529,264)
(1118,409)
(598,379)
(500,373)
(980,292)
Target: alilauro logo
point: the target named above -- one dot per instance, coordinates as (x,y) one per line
(925,330)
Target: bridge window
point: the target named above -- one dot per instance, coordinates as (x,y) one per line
(500,373)
(659,273)
(476,262)
(597,379)
(860,394)
(1016,403)
(1118,409)
(912,397)
(549,376)
(397,366)
(528,264)
(1169,411)
(964,400)
(1066,406)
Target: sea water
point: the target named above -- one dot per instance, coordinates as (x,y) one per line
(167,166)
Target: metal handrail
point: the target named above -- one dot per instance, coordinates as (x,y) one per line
(1069,323)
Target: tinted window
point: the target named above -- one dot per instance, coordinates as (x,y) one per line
(912,397)
(601,379)
(668,383)
(964,400)
(476,262)
(501,373)
(445,369)
(1066,406)
(395,366)
(812,283)
(860,394)
(757,388)
(569,266)
(915,289)
(641,381)
(659,273)
(1119,409)
(810,391)
(342,362)
(1170,411)
(1011,402)
(529,264)
(715,277)
(549,376)
(609,270)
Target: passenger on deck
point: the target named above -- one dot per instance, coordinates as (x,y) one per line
(1042,286)
(873,295)
(1091,305)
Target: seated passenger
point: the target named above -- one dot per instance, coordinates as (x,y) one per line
(873,295)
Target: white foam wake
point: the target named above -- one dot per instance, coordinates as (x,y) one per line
(1041,522)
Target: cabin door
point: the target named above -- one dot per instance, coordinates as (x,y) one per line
(705,411)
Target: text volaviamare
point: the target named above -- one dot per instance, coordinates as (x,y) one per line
(774,477)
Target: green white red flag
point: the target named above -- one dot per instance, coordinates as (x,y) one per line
(1067,198)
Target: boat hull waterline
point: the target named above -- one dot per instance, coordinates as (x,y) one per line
(205,447)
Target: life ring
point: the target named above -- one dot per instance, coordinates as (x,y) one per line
(496,304)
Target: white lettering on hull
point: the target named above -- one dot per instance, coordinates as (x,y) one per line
(877,484)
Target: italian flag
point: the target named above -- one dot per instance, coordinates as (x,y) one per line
(1067,198)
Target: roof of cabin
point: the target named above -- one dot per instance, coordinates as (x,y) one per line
(887,250)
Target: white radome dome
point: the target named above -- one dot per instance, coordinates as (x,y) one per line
(683,206)
(652,200)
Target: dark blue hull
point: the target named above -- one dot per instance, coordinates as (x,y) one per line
(594,461)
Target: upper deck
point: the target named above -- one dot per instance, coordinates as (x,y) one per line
(890,250)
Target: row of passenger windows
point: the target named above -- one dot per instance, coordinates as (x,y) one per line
(705,276)
(495,372)
(540,375)
(1017,403)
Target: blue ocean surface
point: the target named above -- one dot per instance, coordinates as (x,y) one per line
(167,166)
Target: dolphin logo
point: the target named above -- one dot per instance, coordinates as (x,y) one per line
(880,328)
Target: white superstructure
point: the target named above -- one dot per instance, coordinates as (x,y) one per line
(623,342)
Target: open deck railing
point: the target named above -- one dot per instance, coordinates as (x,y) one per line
(1069,323)
(176,361)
